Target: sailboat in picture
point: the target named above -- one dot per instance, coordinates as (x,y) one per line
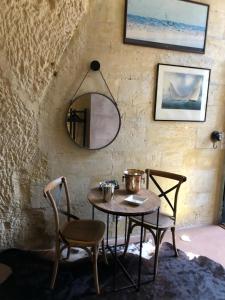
(191,95)
(197,91)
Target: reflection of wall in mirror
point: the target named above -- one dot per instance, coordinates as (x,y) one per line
(80,130)
(83,131)
(104,120)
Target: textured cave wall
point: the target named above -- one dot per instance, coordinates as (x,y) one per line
(33,37)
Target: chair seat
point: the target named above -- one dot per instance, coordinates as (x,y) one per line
(84,232)
(165,221)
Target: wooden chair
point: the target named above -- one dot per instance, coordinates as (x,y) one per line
(74,232)
(166,221)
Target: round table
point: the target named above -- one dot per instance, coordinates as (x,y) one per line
(118,206)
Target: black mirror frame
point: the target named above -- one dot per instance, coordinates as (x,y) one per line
(113,102)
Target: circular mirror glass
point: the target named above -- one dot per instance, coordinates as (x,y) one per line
(93,121)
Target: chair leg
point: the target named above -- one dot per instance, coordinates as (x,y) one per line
(55,267)
(144,235)
(157,239)
(128,236)
(104,252)
(95,265)
(68,252)
(174,241)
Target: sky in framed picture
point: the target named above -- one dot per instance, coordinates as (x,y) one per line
(170,24)
(182,93)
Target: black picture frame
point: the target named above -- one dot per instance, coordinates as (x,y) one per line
(181,93)
(180,25)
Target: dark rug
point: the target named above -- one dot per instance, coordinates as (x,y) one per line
(178,278)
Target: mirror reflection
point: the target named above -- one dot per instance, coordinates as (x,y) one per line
(93,121)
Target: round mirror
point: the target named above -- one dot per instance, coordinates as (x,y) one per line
(93,121)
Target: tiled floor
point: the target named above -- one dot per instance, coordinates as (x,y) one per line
(207,241)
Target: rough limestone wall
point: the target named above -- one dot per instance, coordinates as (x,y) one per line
(142,142)
(33,37)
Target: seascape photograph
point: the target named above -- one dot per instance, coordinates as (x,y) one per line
(169,22)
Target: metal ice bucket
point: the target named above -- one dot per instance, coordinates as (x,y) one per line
(133,179)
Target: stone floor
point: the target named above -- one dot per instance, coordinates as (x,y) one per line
(207,241)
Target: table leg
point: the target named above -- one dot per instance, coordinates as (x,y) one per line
(115,255)
(156,246)
(93,212)
(107,231)
(140,254)
(125,232)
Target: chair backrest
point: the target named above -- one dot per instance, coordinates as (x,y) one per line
(58,186)
(179,179)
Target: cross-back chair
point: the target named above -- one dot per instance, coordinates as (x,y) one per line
(74,232)
(166,220)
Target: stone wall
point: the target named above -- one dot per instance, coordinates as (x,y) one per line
(34,35)
(36,42)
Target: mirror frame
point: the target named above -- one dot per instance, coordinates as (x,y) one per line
(115,105)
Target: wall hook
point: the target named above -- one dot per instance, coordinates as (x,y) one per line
(216,137)
(95,65)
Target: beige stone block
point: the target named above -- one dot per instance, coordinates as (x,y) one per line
(201,200)
(126,160)
(202,181)
(155,160)
(215,4)
(215,117)
(94,165)
(191,216)
(138,91)
(100,13)
(218,73)
(170,135)
(206,159)
(203,216)
(171,159)
(216,95)
(216,23)
(214,55)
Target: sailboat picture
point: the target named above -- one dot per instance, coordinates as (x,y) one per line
(182,93)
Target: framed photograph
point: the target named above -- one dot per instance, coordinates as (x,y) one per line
(181,93)
(169,24)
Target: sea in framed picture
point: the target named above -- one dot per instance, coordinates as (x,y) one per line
(170,24)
